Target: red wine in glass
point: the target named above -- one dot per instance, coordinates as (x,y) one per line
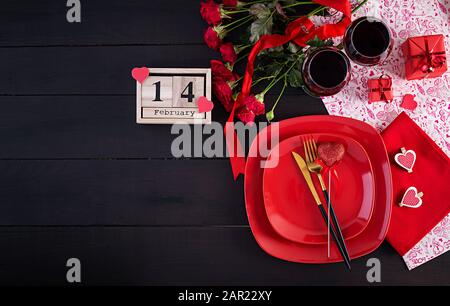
(368,41)
(325,71)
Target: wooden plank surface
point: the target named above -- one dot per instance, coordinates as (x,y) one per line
(139,22)
(92,70)
(79,178)
(46,127)
(182,256)
(120,192)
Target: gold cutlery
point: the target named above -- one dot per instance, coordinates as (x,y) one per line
(307,175)
(310,147)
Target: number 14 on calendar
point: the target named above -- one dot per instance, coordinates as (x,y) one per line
(170,95)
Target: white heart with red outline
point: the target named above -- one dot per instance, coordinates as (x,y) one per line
(412,198)
(406,159)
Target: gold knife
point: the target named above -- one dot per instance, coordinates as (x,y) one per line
(307,175)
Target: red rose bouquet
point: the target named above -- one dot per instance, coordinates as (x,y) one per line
(235,27)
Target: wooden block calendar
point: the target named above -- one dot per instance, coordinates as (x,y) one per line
(169,95)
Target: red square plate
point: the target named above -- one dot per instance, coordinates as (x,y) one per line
(283,248)
(290,207)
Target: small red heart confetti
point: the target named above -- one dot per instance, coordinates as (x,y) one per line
(412,198)
(140,74)
(330,152)
(406,159)
(408,102)
(204,105)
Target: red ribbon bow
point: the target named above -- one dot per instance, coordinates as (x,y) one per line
(433,60)
(299,31)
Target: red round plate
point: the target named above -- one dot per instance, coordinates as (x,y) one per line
(283,248)
(290,207)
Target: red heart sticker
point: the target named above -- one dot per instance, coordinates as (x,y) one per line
(204,105)
(140,74)
(411,198)
(408,102)
(406,159)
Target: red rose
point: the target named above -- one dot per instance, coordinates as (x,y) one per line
(223,92)
(228,53)
(221,72)
(230,3)
(255,105)
(252,106)
(245,115)
(210,12)
(212,39)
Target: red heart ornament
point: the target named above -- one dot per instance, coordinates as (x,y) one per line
(330,152)
(204,105)
(408,102)
(406,159)
(140,74)
(411,198)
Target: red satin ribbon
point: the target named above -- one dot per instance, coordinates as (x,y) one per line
(299,31)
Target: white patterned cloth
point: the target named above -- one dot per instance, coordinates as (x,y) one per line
(435,243)
(406,18)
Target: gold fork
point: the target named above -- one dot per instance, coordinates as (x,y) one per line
(309,144)
(310,147)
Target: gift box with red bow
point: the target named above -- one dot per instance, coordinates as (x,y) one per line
(424,57)
(380,89)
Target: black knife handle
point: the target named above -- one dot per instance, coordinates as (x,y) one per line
(336,223)
(333,233)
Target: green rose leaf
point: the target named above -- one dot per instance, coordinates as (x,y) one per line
(317,42)
(260,27)
(293,48)
(274,53)
(295,78)
(273,69)
(260,11)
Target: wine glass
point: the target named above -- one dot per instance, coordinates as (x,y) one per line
(325,71)
(368,41)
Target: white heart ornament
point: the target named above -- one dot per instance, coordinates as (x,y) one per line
(406,159)
(412,198)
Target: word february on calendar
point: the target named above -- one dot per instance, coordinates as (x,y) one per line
(170,95)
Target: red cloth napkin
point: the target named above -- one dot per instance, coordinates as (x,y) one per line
(431,175)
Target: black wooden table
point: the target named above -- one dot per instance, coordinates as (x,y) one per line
(79,178)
